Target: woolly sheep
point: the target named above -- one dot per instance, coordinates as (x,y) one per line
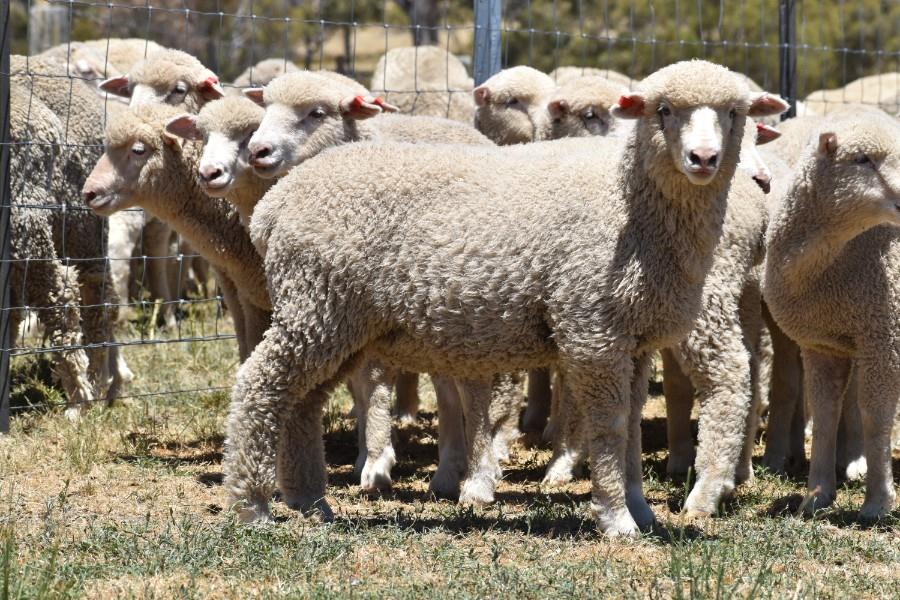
(831,282)
(38,279)
(425,81)
(261,74)
(78,234)
(562,75)
(226,125)
(145,166)
(881,90)
(460,278)
(511,106)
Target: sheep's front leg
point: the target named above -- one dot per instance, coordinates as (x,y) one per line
(506,403)
(679,394)
(879,388)
(481,478)
(451,439)
(604,390)
(825,381)
(301,455)
(380,457)
(634,490)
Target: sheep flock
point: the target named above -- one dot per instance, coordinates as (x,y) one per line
(544,232)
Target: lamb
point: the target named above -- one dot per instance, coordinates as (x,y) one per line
(38,279)
(98,60)
(224,166)
(511,106)
(425,81)
(832,284)
(77,233)
(562,75)
(170,77)
(460,277)
(144,166)
(261,74)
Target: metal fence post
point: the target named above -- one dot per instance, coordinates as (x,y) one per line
(486,61)
(787,48)
(5,209)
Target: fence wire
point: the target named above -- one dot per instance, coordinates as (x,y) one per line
(155,290)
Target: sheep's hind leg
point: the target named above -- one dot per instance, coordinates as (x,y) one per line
(537,408)
(825,379)
(634,486)
(569,436)
(785,402)
(375,473)
(407,387)
(481,478)
(451,439)
(879,388)
(679,393)
(851,456)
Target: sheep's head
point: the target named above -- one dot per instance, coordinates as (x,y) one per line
(138,154)
(306,113)
(511,106)
(581,107)
(854,163)
(225,127)
(167,77)
(691,115)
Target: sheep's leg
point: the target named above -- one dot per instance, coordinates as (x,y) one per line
(451,439)
(879,388)
(481,477)
(720,370)
(751,326)
(231,296)
(825,379)
(851,457)
(301,455)
(157,250)
(604,389)
(785,403)
(124,235)
(98,320)
(537,409)
(679,394)
(407,396)
(360,385)
(506,402)
(380,458)
(634,480)
(255,322)
(569,435)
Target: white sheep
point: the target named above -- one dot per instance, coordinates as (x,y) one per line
(564,74)
(261,74)
(425,81)
(439,258)
(831,282)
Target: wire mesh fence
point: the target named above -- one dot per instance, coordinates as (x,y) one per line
(128,281)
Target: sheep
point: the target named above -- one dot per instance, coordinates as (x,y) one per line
(261,74)
(581,106)
(98,60)
(461,277)
(511,106)
(144,166)
(564,74)
(38,279)
(224,166)
(881,90)
(167,76)
(425,81)
(78,234)
(831,282)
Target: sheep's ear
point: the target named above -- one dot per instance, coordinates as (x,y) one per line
(255,94)
(388,108)
(359,107)
(766,134)
(827,143)
(117,86)
(764,104)
(629,106)
(172,141)
(185,127)
(558,108)
(210,88)
(482,95)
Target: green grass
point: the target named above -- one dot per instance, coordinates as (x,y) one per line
(127,503)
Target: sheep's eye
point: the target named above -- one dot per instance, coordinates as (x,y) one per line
(590,114)
(139,149)
(664,110)
(180,88)
(512,102)
(862,159)
(318,113)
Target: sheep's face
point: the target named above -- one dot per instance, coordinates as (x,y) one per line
(581,108)
(510,107)
(856,171)
(697,137)
(115,179)
(174,78)
(291,133)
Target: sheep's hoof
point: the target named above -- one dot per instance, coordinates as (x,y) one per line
(477,492)
(253,513)
(640,510)
(561,470)
(615,523)
(316,508)
(818,501)
(679,463)
(874,509)
(857,469)
(774,464)
(376,473)
(694,514)
(445,483)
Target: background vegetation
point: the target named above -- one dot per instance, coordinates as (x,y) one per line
(838,41)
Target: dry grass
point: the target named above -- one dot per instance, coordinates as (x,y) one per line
(127,503)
